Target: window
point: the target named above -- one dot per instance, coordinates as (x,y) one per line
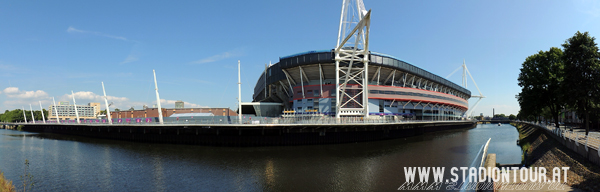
(299,109)
(299,92)
(309,101)
(381,106)
(332,92)
(316,93)
(373,91)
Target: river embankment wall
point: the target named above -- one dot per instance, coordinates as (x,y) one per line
(250,135)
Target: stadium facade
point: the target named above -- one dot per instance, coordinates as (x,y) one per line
(352,81)
(304,83)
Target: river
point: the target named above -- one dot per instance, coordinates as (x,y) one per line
(70,163)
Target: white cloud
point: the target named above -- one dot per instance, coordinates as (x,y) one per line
(14,92)
(130,58)
(171,104)
(73,30)
(84,97)
(133,55)
(16,98)
(225,55)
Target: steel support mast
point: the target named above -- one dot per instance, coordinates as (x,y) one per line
(352,60)
(160,115)
(42,110)
(75,105)
(239,94)
(107,106)
(55,110)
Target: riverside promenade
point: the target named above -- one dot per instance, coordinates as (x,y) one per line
(576,140)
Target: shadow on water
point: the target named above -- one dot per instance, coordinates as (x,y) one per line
(76,163)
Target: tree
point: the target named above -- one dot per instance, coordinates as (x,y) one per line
(541,79)
(512,117)
(117,109)
(582,74)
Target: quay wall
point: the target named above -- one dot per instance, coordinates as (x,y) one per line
(249,135)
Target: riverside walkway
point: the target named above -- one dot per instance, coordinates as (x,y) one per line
(575,139)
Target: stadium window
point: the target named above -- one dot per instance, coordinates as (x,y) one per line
(381,106)
(316,93)
(373,91)
(299,109)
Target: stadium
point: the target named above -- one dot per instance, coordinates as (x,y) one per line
(304,83)
(352,81)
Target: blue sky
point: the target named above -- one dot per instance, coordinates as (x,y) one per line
(48,48)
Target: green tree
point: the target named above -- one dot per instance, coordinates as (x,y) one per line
(512,117)
(582,75)
(541,79)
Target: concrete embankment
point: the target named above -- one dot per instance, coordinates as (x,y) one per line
(250,135)
(544,149)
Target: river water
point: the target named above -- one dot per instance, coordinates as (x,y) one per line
(69,163)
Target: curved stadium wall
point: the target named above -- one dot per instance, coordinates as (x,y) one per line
(305,84)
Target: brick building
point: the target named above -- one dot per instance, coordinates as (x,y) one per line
(153,112)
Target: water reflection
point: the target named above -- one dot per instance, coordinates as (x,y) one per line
(69,163)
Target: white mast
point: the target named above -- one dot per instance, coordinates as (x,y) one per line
(31,110)
(55,110)
(75,105)
(239,94)
(106,102)
(352,48)
(160,115)
(24,116)
(42,110)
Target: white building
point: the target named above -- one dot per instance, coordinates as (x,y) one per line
(67,111)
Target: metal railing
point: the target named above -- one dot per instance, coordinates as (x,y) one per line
(252,120)
(592,140)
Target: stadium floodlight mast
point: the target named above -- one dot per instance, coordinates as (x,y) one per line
(352,60)
(464,84)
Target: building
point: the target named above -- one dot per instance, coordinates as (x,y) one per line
(153,112)
(352,81)
(305,83)
(67,111)
(179,104)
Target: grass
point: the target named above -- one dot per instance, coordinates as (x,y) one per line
(523,141)
(6,185)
